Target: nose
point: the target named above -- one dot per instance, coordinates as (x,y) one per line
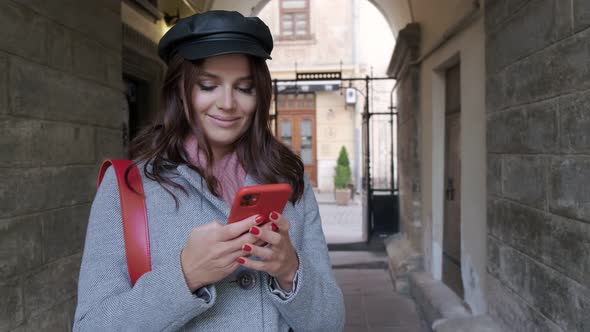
(226,99)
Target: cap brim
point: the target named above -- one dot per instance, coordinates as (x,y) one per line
(209,48)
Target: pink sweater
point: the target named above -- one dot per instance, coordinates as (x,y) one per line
(228,171)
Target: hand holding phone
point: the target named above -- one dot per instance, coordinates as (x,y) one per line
(259,199)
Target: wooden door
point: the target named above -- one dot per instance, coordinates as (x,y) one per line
(297,130)
(452,207)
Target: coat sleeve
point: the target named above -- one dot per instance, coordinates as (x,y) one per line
(317,303)
(160,300)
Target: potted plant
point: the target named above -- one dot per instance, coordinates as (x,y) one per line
(342,178)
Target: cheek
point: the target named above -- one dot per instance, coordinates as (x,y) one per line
(201,102)
(247,104)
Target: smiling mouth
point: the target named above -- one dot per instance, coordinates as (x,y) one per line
(223,122)
(219,118)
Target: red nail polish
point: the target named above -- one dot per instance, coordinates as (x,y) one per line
(274,227)
(254,231)
(260,219)
(274,216)
(240,260)
(246,248)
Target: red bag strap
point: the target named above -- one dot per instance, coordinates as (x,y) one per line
(133,213)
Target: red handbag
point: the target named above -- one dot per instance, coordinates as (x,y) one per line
(135,228)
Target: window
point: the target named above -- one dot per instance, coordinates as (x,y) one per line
(294,19)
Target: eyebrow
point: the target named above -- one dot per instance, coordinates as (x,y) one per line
(245,78)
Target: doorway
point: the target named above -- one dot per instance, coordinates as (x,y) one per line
(451,266)
(297,128)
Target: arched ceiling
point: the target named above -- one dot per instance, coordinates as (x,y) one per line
(435,17)
(396,12)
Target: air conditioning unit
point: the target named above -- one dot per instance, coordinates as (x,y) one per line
(350,96)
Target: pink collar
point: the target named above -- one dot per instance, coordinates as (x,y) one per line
(228,171)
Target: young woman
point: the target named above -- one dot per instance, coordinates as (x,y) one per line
(213,137)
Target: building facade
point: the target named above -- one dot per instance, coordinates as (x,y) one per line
(493,147)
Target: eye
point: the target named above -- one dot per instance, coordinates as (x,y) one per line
(206,86)
(249,90)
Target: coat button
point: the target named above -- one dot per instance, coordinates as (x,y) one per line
(246,280)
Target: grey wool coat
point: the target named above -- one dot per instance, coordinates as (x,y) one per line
(161,300)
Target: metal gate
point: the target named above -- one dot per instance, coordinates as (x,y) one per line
(379,183)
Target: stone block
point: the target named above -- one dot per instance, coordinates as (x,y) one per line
(524,179)
(536,26)
(566,247)
(109,144)
(495,93)
(581,15)
(64,231)
(481,323)
(569,182)
(558,242)
(530,129)
(512,313)
(59,96)
(512,269)
(574,123)
(20,245)
(58,318)
(59,47)
(434,299)
(558,297)
(22,32)
(97,19)
(3,84)
(553,294)
(55,283)
(11,304)
(556,70)
(493,250)
(28,143)
(25,77)
(498,11)
(102,105)
(114,69)
(494,174)
(37,189)
(88,58)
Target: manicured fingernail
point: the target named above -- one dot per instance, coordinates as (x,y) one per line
(260,219)
(254,230)
(274,216)
(241,260)
(274,227)
(246,248)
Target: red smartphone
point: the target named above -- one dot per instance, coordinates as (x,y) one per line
(260,199)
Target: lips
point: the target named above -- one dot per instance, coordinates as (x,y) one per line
(223,121)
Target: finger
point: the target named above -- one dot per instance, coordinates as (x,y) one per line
(233,230)
(237,243)
(260,243)
(280,221)
(253,264)
(264,253)
(266,235)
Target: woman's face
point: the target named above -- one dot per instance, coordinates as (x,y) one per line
(224,99)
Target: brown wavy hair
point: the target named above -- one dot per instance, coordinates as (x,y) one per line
(161,146)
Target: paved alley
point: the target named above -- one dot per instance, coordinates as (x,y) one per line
(371,302)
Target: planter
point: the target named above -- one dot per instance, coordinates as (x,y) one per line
(342,196)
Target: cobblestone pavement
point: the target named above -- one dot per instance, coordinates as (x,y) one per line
(371,302)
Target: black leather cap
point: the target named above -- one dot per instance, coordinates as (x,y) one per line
(216,32)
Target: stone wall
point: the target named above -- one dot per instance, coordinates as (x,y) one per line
(408,147)
(538,142)
(61,98)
